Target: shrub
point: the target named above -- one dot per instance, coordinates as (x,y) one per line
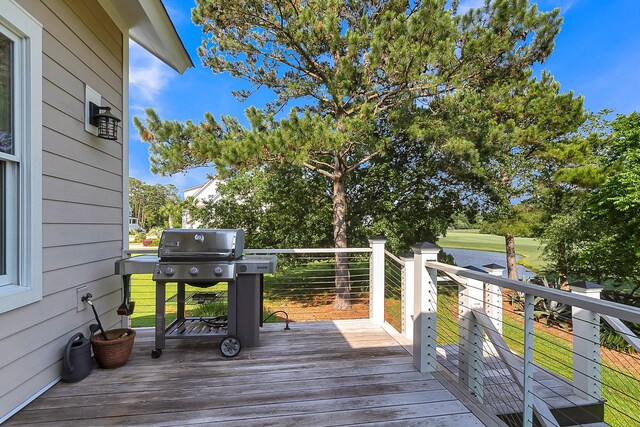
(609,338)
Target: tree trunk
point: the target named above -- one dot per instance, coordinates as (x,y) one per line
(343,285)
(512,269)
(562,266)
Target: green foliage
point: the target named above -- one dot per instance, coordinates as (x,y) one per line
(511,133)
(138,236)
(154,205)
(524,221)
(609,338)
(355,69)
(277,206)
(211,309)
(408,195)
(598,235)
(155,231)
(466,220)
(551,311)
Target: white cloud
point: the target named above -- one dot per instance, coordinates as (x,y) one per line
(565,6)
(148,76)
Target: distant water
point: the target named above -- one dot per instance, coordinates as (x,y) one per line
(465,257)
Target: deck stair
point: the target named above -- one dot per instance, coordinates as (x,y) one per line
(566,403)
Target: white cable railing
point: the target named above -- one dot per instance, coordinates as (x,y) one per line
(525,352)
(553,369)
(394,313)
(304,286)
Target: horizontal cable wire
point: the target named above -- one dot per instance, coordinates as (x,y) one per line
(393,310)
(619,371)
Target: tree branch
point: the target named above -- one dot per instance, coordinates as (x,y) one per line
(362,161)
(318,170)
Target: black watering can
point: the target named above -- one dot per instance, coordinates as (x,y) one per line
(77,359)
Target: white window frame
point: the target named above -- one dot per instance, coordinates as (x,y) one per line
(25,240)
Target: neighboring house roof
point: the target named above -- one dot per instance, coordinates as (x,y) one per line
(203,191)
(150,26)
(200,194)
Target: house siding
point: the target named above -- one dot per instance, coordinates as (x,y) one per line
(82,208)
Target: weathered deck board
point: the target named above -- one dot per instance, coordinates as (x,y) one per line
(325,373)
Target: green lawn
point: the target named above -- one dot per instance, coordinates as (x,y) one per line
(304,289)
(527,247)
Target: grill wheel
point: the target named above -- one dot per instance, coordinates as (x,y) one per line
(230,346)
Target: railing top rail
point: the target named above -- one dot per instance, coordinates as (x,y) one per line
(309,251)
(275,251)
(621,311)
(393,257)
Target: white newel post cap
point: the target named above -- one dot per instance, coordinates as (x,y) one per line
(493,269)
(474,268)
(585,287)
(377,240)
(406,257)
(426,248)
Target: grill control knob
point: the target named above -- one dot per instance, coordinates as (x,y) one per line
(218,271)
(194,271)
(168,271)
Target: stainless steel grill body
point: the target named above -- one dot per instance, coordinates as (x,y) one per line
(198,257)
(184,244)
(204,258)
(195,273)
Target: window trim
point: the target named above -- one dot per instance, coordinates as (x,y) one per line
(28,128)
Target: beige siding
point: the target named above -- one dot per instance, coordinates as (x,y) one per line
(82,197)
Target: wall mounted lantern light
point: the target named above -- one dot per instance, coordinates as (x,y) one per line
(106,122)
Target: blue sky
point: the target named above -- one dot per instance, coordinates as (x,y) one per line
(597,55)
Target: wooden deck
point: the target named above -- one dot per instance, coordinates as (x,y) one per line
(317,374)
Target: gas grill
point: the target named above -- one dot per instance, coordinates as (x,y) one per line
(198,257)
(204,258)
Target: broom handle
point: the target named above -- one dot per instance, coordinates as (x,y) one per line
(87,298)
(104,335)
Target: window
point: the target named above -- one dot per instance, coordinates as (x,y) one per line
(20,157)
(8,165)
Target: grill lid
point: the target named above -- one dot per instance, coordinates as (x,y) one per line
(201,244)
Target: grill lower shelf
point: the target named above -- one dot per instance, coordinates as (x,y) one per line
(195,327)
(199,297)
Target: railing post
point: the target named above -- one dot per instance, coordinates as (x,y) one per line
(493,296)
(586,343)
(528,394)
(470,336)
(407,295)
(377,279)
(425,306)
